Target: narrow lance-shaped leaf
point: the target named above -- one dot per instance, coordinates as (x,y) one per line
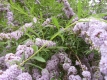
(38,58)
(35,48)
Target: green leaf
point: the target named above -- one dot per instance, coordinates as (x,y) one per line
(79,7)
(62,37)
(56,34)
(27,34)
(55,21)
(34,65)
(2,43)
(38,58)
(22,68)
(35,48)
(31,30)
(18,8)
(23,57)
(32,8)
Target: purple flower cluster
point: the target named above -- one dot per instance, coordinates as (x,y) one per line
(68,67)
(4,7)
(18,33)
(2,63)
(52,70)
(94,32)
(10,17)
(11,73)
(24,76)
(40,42)
(9,13)
(46,22)
(15,34)
(14,72)
(11,59)
(68,10)
(74,77)
(36,74)
(24,51)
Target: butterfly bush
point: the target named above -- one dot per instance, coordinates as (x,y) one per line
(36,73)
(72,70)
(24,76)
(9,13)
(46,22)
(2,8)
(66,66)
(29,42)
(68,10)
(10,18)
(11,73)
(11,59)
(15,34)
(74,77)
(18,33)
(2,63)
(87,75)
(97,75)
(23,50)
(52,69)
(40,42)
(94,32)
